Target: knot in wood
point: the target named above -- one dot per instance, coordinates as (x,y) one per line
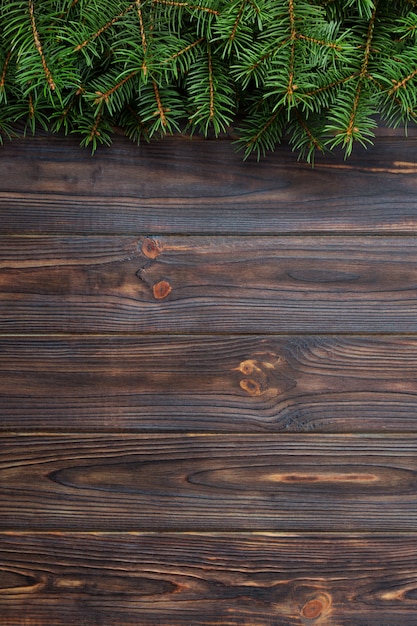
(312,609)
(150,249)
(252,387)
(161,289)
(315,607)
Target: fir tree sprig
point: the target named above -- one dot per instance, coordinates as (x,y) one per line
(316,71)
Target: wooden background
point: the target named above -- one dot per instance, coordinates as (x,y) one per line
(208,386)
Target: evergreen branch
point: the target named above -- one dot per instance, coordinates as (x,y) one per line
(320,42)
(330,86)
(251,69)
(293,38)
(161,109)
(66,111)
(392,97)
(38,46)
(186,5)
(94,129)
(104,96)
(138,119)
(211,82)
(142,34)
(31,107)
(238,20)
(105,27)
(264,128)
(368,45)
(4,71)
(363,74)
(403,82)
(351,128)
(313,140)
(184,50)
(142,27)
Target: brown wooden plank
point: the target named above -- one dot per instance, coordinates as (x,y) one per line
(209,383)
(209,482)
(208,284)
(51,185)
(130,579)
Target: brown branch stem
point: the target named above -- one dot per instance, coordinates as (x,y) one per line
(4,72)
(38,46)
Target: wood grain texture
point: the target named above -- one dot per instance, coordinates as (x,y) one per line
(209,383)
(209,482)
(51,185)
(130,579)
(208,284)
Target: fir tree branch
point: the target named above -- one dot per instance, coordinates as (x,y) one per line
(138,119)
(4,71)
(142,35)
(104,28)
(211,82)
(402,83)
(252,68)
(104,96)
(38,46)
(94,132)
(320,42)
(142,26)
(331,86)
(186,5)
(362,75)
(293,39)
(264,128)
(392,96)
(31,107)
(238,20)
(161,109)
(184,50)
(313,140)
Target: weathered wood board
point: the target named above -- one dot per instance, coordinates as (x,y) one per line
(205,579)
(50,185)
(209,482)
(210,383)
(194,284)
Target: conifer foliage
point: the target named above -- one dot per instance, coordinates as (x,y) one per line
(316,71)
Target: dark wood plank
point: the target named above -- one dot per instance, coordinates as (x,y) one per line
(208,284)
(131,579)
(209,482)
(209,383)
(51,185)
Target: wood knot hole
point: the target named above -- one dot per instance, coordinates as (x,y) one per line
(252,387)
(315,607)
(150,249)
(161,290)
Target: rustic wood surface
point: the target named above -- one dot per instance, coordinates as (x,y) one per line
(50,185)
(208,386)
(195,284)
(209,482)
(208,579)
(325,383)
